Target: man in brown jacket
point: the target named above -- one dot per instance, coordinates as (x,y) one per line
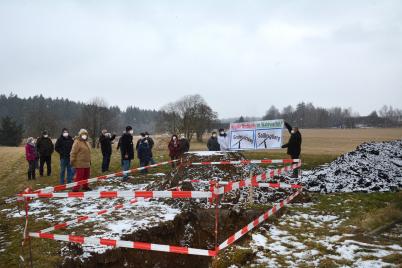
(80,158)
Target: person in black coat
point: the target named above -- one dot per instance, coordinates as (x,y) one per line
(63,146)
(294,144)
(127,150)
(184,144)
(144,154)
(105,140)
(151,145)
(45,149)
(213,144)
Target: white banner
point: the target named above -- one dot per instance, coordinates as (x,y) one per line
(259,135)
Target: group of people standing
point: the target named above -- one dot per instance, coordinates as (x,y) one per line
(75,153)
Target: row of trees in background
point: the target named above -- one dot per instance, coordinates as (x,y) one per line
(306,115)
(190,115)
(35,114)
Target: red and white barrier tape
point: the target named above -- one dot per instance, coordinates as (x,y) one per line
(62,187)
(83,218)
(256,222)
(124,194)
(238,162)
(124,244)
(255,181)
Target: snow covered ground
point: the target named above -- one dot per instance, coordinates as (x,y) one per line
(141,215)
(312,239)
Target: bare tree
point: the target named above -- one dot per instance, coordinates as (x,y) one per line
(95,116)
(189,115)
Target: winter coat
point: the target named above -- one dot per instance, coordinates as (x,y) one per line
(223,141)
(184,146)
(80,155)
(45,146)
(213,144)
(150,142)
(294,143)
(144,151)
(127,146)
(174,148)
(63,146)
(106,144)
(30,152)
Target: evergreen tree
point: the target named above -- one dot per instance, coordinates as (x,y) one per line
(10,132)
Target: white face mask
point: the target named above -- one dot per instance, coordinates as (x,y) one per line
(45,136)
(84,137)
(293,132)
(65,134)
(174,138)
(131,132)
(146,136)
(214,135)
(222,133)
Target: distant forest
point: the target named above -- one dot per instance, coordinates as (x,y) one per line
(37,113)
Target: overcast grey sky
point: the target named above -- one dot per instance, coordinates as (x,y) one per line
(241,56)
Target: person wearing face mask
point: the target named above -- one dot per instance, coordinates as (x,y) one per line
(213,144)
(294,144)
(144,154)
(174,149)
(184,144)
(127,150)
(80,158)
(142,136)
(31,155)
(223,140)
(105,140)
(151,145)
(45,149)
(63,146)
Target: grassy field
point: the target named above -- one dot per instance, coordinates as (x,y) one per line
(319,147)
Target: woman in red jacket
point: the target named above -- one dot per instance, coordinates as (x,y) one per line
(174,149)
(31,156)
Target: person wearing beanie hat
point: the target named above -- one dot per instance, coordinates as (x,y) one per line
(80,159)
(45,148)
(31,156)
(63,146)
(127,150)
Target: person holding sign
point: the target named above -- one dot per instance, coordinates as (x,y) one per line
(223,140)
(293,145)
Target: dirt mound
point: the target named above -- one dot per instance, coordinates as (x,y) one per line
(372,167)
(185,173)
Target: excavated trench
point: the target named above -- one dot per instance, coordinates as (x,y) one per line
(193,227)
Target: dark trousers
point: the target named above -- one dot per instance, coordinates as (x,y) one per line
(31,169)
(105,162)
(144,163)
(174,164)
(296,170)
(48,161)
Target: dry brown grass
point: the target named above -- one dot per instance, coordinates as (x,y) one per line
(339,141)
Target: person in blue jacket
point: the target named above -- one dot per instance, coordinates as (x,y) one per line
(144,154)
